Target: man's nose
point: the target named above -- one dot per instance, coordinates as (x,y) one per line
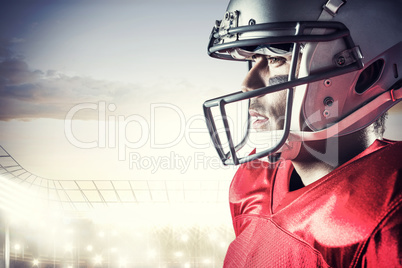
(256,77)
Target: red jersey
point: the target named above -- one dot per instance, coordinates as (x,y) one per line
(352,217)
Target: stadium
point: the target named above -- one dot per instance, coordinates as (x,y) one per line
(122,223)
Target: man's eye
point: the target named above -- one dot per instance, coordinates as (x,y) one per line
(276,61)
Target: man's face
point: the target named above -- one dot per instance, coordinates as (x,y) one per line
(267,112)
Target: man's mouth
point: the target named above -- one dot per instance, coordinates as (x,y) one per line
(259,121)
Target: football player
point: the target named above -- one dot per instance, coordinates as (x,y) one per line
(323,188)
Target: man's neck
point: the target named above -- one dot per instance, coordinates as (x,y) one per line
(311,172)
(318,158)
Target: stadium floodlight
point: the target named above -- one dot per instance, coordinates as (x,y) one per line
(89,248)
(35,262)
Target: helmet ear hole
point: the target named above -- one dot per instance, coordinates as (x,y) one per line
(369,76)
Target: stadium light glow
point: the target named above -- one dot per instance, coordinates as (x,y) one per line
(21,203)
(178,254)
(184,237)
(58,228)
(98,259)
(185,214)
(123,262)
(207,261)
(69,247)
(151,253)
(212,236)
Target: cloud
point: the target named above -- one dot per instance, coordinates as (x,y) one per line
(16,40)
(27,94)
(5,51)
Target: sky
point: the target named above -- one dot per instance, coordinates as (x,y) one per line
(113,89)
(110,90)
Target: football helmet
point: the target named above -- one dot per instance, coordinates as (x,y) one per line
(346,68)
